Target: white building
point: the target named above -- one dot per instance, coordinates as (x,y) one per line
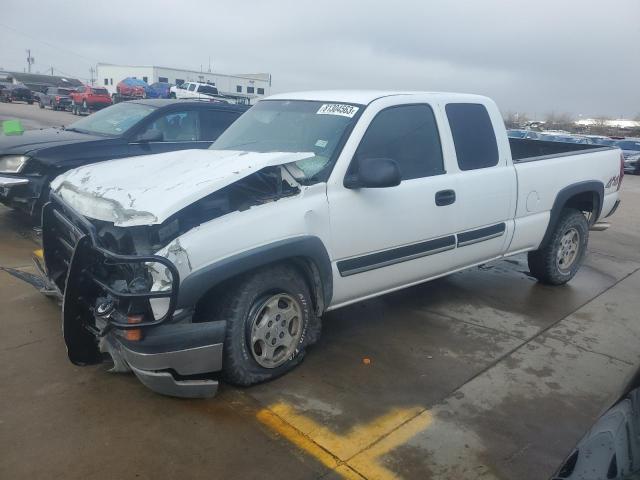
(249,86)
(617,123)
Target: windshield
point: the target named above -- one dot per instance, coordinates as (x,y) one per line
(114,120)
(293,126)
(517,133)
(603,141)
(628,145)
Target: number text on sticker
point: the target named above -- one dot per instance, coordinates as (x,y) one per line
(337,109)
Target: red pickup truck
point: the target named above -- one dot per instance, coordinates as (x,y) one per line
(86,98)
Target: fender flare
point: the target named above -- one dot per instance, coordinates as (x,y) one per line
(308,247)
(565,194)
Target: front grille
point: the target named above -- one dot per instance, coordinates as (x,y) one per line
(85,271)
(60,234)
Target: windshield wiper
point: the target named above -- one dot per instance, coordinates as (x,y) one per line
(239,145)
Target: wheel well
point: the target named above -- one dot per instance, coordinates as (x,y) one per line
(305,266)
(585,202)
(584,196)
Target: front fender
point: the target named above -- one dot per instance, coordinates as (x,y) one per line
(195,285)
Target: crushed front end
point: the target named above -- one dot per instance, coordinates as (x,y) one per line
(122,307)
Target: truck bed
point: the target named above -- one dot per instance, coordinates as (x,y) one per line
(527,150)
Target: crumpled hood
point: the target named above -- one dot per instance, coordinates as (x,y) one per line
(148,189)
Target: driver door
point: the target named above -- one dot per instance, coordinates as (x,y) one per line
(384,238)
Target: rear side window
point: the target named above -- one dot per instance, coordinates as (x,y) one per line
(407,134)
(214,122)
(473,135)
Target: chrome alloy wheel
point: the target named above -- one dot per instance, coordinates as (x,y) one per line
(275,330)
(569,249)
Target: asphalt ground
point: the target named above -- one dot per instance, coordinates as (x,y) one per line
(481,374)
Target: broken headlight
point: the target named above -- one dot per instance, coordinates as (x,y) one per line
(12,163)
(162,281)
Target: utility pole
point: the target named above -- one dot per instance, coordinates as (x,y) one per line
(30,60)
(92,70)
(209,63)
(52,71)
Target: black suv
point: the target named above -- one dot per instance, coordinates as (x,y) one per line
(29,162)
(15,92)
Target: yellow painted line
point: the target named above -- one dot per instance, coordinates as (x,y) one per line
(275,423)
(368,461)
(358,438)
(356,454)
(39,253)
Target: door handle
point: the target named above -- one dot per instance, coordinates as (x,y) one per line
(445,197)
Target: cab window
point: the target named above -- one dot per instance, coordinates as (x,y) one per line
(407,134)
(473,135)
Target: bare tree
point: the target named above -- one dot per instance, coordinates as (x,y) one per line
(515,119)
(559,121)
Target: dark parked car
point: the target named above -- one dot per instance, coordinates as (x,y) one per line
(631,151)
(16,92)
(57,98)
(30,161)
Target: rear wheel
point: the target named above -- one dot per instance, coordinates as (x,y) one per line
(268,314)
(559,260)
(40,104)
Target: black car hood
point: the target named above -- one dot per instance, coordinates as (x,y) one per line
(34,140)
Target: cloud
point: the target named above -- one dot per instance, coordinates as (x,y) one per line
(570,56)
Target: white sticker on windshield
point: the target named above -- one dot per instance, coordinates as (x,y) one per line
(338,109)
(321,143)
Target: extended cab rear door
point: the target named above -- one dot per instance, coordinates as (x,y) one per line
(384,238)
(483,177)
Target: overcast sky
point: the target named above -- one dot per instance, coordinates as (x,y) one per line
(536,56)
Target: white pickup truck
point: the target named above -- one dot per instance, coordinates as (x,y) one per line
(195,90)
(190,266)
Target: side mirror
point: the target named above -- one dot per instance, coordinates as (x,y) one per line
(374,173)
(150,136)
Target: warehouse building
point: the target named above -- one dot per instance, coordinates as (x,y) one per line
(248,87)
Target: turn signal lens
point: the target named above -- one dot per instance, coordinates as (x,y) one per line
(134,335)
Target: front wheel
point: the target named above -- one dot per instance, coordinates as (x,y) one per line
(40,104)
(269,317)
(559,260)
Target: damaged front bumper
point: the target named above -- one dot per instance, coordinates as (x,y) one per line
(172,359)
(166,351)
